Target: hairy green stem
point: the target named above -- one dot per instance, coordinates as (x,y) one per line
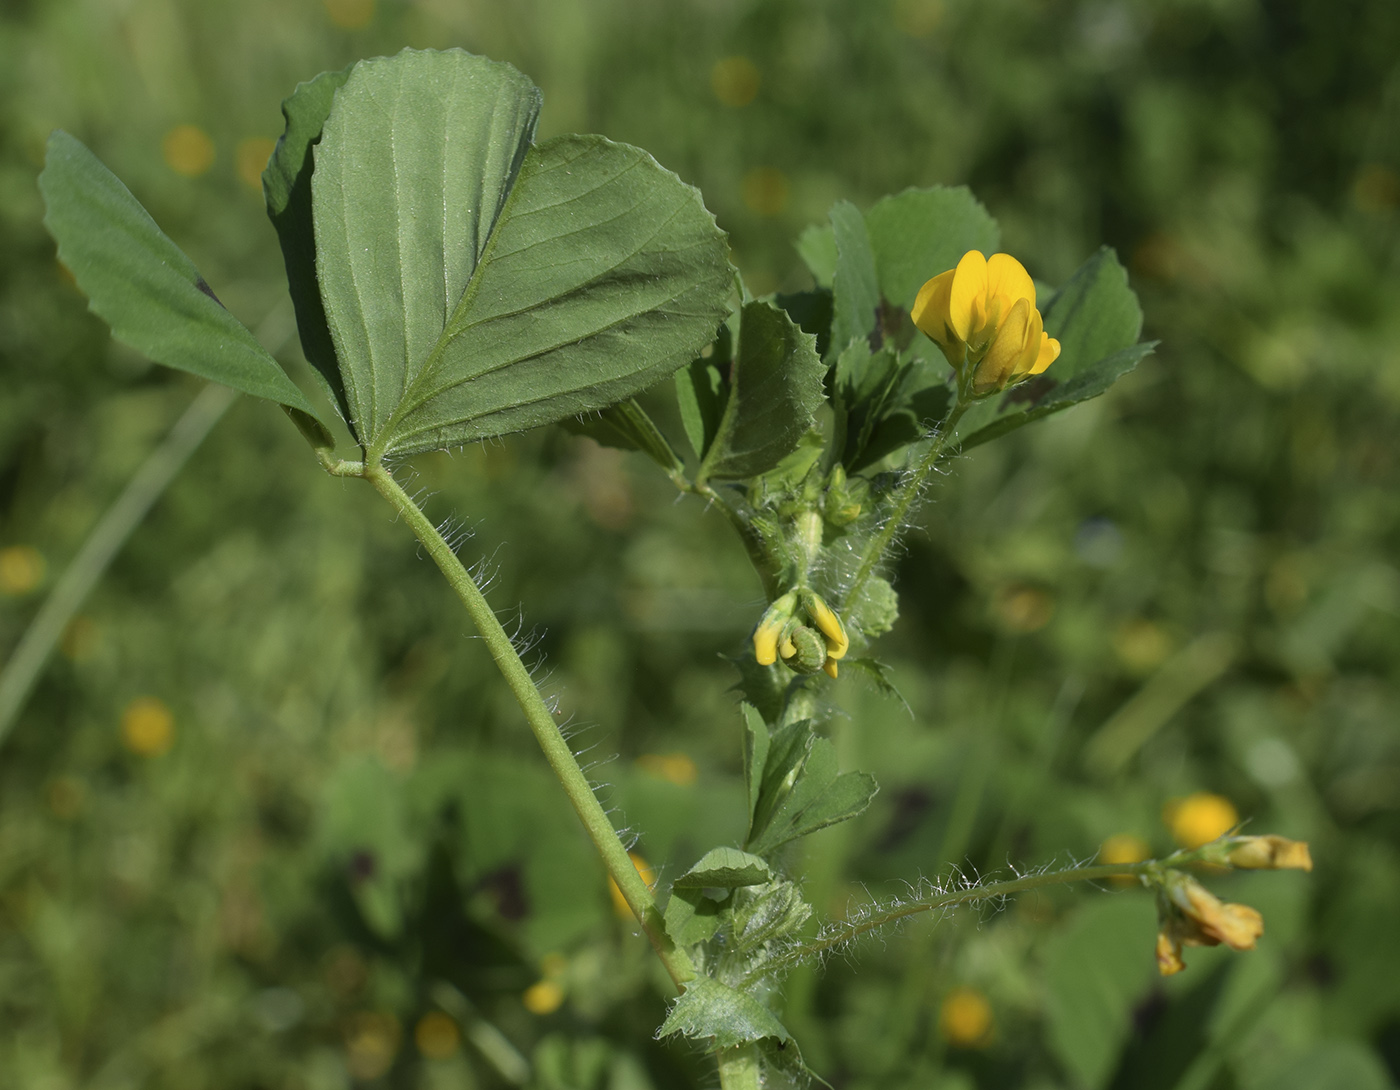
(537,714)
(102,545)
(909,488)
(739,1068)
(848,932)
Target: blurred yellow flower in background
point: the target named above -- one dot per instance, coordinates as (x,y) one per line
(148,728)
(350,14)
(1200,818)
(251,158)
(965,1018)
(436,1035)
(188,151)
(620,905)
(22,569)
(982,314)
(735,80)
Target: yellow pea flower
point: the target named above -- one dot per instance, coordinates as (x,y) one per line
(982,314)
(1193,916)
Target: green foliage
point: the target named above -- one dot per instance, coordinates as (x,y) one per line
(773,390)
(505,285)
(146,289)
(1236,158)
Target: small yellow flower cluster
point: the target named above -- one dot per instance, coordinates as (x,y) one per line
(804,631)
(1190,915)
(982,314)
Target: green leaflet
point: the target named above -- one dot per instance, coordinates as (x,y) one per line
(920,233)
(725,868)
(855,284)
(692,915)
(144,287)
(627,426)
(287,194)
(708,1009)
(775,388)
(1097,320)
(799,790)
(475,284)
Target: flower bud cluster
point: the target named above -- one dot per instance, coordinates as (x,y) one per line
(802,630)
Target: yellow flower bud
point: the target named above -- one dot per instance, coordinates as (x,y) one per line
(769,633)
(825,618)
(1268,853)
(983,316)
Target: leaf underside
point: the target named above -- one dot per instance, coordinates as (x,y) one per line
(476,284)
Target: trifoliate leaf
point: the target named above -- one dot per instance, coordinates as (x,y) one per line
(476,284)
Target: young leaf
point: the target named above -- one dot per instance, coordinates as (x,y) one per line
(287,194)
(626,426)
(775,387)
(147,290)
(725,868)
(691,917)
(475,284)
(855,284)
(917,234)
(1097,319)
(708,1010)
(802,792)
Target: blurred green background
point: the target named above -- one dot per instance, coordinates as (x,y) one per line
(270,819)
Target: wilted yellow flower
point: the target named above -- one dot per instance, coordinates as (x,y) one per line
(1200,818)
(982,314)
(965,1018)
(1169,959)
(1267,853)
(1193,916)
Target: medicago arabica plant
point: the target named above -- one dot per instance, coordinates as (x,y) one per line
(455,281)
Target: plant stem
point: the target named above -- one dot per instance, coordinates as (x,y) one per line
(847,932)
(909,488)
(537,714)
(739,1068)
(103,544)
